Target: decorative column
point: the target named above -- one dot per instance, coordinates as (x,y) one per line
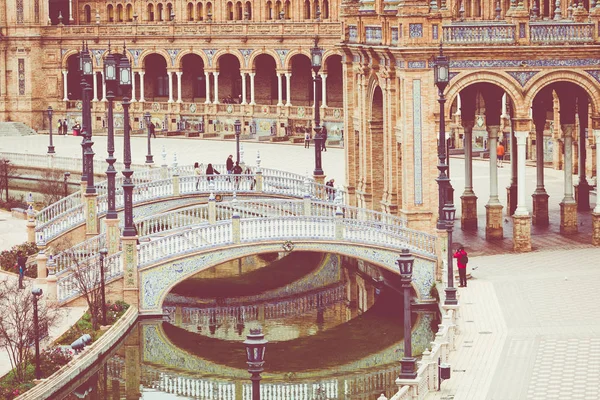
(65,92)
(170,75)
(111,221)
(252,74)
(540,197)
(583,187)
(207,82)
(179,74)
(468,218)
(324,90)
(279,91)
(216,77)
(521,217)
(95,80)
(243,74)
(493,209)
(288,88)
(142,100)
(133,100)
(71,11)
(103,86)
(596,211)
(568,206)
(30,225)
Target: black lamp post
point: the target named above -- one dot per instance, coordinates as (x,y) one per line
(316,54)
(408,363)
(36,292)
(86,118)
(50,146)
(103,253)
(85,69)
(441,73)
(125,82)
(111,80)
(449,213)
(148,120)
(238,129)
(66,176)
(255,351)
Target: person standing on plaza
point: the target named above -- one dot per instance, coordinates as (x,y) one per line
(237,171)
(64,127)
(330,190)
(500,154)
(198,173)
(229,164)
(307,140)
(21,261)
(324,138)
(210,171)
(153,130)
(59,131)
(462,259)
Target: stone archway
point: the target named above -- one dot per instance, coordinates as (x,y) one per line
(193,84)
(156,82)
(265,81)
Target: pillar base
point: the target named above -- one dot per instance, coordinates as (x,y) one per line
(468,218)
(320,193)
(521,233)
(493,222)
(568,218)
(511,198)
(51,292)
(582,196)
(540,209)
(596,229)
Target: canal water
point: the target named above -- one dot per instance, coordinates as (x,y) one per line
(334,327)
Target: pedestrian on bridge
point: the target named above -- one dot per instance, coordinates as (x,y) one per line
(461,259)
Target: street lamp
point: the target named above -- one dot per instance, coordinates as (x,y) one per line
(66,176)
(408,363)
(449,214)
(110,78)
(238,129)
(148,120)
(255,351)
(125,82)
(36,292)
(316,54)
(441,74)
(103,253)
(86,68)
(51,146)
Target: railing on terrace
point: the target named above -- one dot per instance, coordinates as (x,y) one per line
(561,32)
(484,33)
(79,254)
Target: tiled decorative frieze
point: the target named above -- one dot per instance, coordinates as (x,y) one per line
(418,142)
(21,66)
(373,34)
(522,76)
(417,64)
(352,33)
(173,54)
(595,73)
(415,30)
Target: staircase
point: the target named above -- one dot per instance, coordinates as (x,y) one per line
(15,129)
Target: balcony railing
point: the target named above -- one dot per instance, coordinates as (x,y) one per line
(561,32)
(468,33)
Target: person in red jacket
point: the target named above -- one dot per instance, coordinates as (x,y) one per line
(462,259)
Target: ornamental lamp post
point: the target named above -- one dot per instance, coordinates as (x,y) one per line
(66,176)
(125,84)
(36,292)
(85,70)
(86,118)
(148,120)
(316,54)
(408,363)
(111,80)
(255,351)
(441,74)
(238,129)
(50,146)
(449,214)
(103,253)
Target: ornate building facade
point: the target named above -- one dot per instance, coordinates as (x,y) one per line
(522,72)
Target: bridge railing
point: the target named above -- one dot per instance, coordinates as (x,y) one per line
(188,216)
(68,286)
(79,253)
(61,223)
(181,243)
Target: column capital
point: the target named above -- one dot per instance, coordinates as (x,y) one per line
(567,129)
(141,72)
(323,74)
(288,74)
(179,73)
(522,123)
(493,131)
(252,73)
(215,73)
(596,135)
(521,137)
(467,124)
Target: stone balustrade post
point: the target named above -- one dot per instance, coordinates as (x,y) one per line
(235,228)
(259,182)
(130,270)
(42,260)
(112,235)
(30,225)
(91,214)
(51,283)
(212,205)
(339,224)
(307,205)
(176,188)
(164,168)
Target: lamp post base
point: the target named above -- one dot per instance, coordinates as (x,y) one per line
(408,368)
(149,159)
(450,297)
(51,150)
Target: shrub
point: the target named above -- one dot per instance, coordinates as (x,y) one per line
(8,258)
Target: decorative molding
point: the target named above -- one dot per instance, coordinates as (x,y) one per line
(282,55)
(594,73)
(98,56)
(584,62)
(452,75)
(173,54)
(210,53)
(246,53)
(417,64)
(522,76)
(135,54)
(417,142)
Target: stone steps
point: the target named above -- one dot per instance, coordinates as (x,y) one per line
(15,129)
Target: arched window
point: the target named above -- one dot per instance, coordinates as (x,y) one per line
(315,8)
(110,12)
(129,12)
(169,11)
(87,14)
(229,12)
(199,12)
(307,9)
(248,9)
(287,9)
(159,12)
(269,10)
(150,15)
(238,11)
(190,12)
(209,11)
(325,10)
(119,12)
(277,9)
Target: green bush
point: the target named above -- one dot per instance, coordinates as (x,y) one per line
(114,311)
(8,258)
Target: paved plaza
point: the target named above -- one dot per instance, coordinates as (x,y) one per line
(527,323)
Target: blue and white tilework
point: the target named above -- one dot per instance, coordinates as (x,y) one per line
(417,64)
(282,53)
(246,54)
(210,53)
(415,30)
(595,73)
(173,54)
(522,76)
(418,142)
(135,53)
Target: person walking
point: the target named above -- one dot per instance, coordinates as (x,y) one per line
(153,129)
(229,164)
(59,131)
(64,127)
(324,139)
(307,140)
(237,171)
(198,173)
(330,190)
(21,261)
(210,171)
(500,154)
(462,259)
